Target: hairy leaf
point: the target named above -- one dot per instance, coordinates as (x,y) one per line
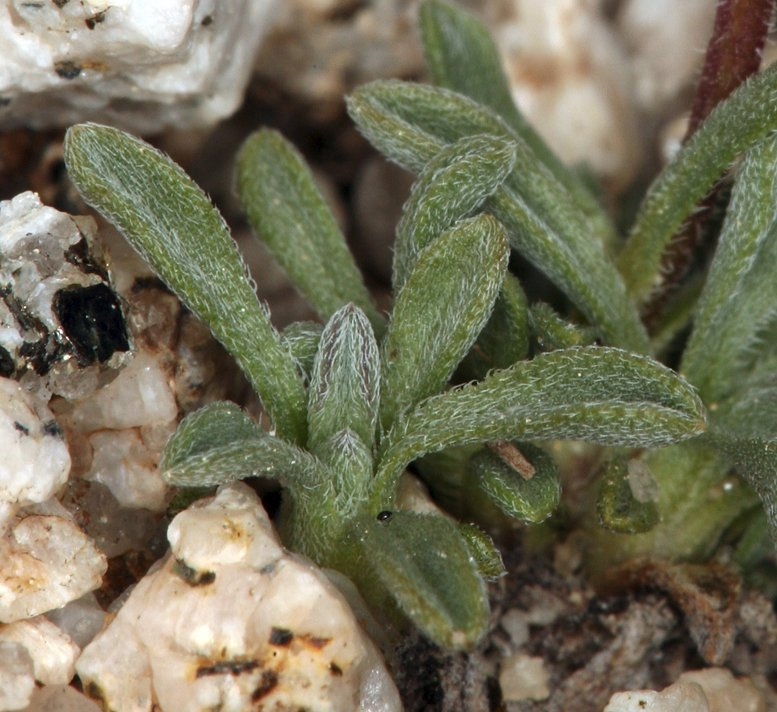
(301,339)
(410,123)
(462,56)
(289,214)
(176,229)
(425,564)
(483,551)
(740,296)
(552,332)
(345,382)
(628,497)
(747,116)
(599,394)
(440,311)
(450,187)
(523,481)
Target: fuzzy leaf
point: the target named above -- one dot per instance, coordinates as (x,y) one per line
(530,495)
(440,311)
(258,456)
(345,382)
(504,339)
(425,564)
(410,123)
(740,296)
(552,332)
(176,229)
(628,497)
(599,394)
(450,187)
(462,56)
(289,214)
(484,552)
(301,339)
(213,425)
(747,116)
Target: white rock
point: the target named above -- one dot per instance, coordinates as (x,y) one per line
(523,678)
(568,75)
(17,680)
(724,692)
(228,619)
(665,56)
(60,698)
(143,65)
(81,619)
(124,464)
(47,562)
(53,653)
(140,395)
(35,461)
(679,697)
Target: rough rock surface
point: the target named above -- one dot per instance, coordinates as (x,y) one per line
(230,619)
(142,65)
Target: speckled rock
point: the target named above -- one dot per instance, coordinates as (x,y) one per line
(47,562)
(230,619)
(142,65)
(35,461)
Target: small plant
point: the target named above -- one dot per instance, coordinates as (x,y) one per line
(354,402)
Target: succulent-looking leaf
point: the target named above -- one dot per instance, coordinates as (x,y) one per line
(440,311)
(345,382)
(266,456)
(425,564)
(214,425)
(173,225)
(504,339)
(450,187)
(484,552)
(552,332)
(628,497)
(301,339)
(410,123)
(289,214)
(599,394)
(740,296)
(747,116)
(529,495)
(462,56)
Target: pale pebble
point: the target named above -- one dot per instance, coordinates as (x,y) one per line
(17,680)
(257,622)
(52,651)
(679,697)
(141,65)
(523,677)
(47,562)
(60,698)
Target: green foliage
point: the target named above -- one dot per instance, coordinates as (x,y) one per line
(355,402)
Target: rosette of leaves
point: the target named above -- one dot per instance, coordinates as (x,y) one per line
(354,401)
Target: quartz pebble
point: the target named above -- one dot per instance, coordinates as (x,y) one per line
(523,678)
(230,618)
(60,698)
(708,690)
(52,652)
(47,562)
(141,65)
(17,679)
(35,461)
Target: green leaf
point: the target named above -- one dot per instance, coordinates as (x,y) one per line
(599,394)
(628,497)
(438,314)
(176,229)
(213,425)
(450,187)
(345,382)
(740,296)
(523,481)
(410,123)
(301,339)
(425,564)
(552,332)
(462,56)
(747,116)
(289,214)
(258,456)
(484,552)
